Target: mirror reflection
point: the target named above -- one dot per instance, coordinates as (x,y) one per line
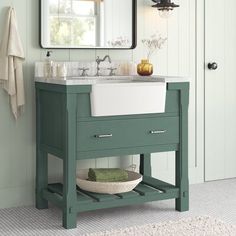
(87,23)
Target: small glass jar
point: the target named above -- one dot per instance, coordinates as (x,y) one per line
(61,70)
(145,68)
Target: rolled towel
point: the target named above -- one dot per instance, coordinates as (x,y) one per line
(107,175)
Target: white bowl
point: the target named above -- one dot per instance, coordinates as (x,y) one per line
(108,187)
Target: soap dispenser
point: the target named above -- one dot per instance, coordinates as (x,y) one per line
(48,66)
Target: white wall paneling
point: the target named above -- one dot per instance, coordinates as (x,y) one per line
(180,57)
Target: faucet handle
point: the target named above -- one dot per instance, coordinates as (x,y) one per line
(112,71)
(84,71)
(98,60)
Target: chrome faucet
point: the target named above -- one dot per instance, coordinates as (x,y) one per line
(98,61)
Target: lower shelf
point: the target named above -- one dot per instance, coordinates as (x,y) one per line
(149,189)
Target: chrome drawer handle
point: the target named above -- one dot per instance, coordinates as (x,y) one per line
(158,131)
(103,136)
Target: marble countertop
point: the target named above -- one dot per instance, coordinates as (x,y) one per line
(111,79)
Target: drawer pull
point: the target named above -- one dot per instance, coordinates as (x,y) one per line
(158,131)
(103,135)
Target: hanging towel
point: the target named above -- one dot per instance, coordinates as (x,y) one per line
(11,60)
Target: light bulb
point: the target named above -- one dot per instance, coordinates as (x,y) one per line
(165,13)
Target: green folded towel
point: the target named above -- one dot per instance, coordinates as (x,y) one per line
(107,175)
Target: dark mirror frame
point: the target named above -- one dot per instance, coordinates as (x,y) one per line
(134,31)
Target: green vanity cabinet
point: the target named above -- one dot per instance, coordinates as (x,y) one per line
(66,129)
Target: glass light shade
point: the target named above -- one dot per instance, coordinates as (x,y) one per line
(166,13)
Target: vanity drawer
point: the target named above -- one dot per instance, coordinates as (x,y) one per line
(98,135)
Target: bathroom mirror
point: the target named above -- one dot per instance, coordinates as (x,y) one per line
(88,24)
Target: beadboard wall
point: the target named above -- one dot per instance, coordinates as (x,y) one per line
(180,56)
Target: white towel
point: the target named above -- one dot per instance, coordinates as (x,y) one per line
(11,59)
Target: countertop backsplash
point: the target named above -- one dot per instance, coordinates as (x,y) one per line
(122,68)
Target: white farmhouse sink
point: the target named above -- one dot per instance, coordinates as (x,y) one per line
(120,95)
(114,96)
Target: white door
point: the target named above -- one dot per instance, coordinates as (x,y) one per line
(220,89)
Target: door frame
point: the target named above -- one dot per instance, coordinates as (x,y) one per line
(200,88)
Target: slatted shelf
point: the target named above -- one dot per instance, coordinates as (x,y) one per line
(144,190)
(149,190)
(131,194)
(58,188)
(158,184)
(98,196)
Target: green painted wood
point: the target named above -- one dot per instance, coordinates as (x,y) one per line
(124,202)
(99,197)
(127,151)
(181,87)
(127,133)
(65,128)
(53,151)
(83,198)
(127,117)
(41,160)
(53,110)
(145,190)
(84,107)
(69,164)
(63,88)
(158,184)
(172,102)
(145,164)
(58,188)
(51,119)
(143,194)
(182,181)
(41,179)
(127,195)
(54,198)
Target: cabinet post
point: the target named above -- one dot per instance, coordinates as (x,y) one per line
(145,164)
(41,162)
(69,164)
(41,178)
(181,178)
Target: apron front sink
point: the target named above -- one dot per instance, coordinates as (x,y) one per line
(114,96)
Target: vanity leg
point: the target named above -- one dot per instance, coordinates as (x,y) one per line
(69,165)
(41,178)
(145,164)
(41,162)
(182,203)
(181,163)
(69,193)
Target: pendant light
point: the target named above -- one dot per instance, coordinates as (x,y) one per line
(165,7)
